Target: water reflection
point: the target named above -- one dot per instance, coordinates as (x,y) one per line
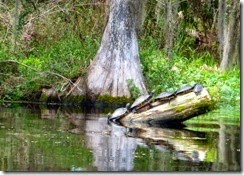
(113,151)
(116,151)
(114,146)
(87,142)
(185,144)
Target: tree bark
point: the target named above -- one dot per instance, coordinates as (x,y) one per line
(172,10)
(15,23)
(117,59)
(220,27)
(140,13)
(170,23)
(230,38)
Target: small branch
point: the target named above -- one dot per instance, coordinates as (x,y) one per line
(75,86)
(41,72)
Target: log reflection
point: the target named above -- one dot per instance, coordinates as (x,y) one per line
(25,144)
(185,144)
(114,146)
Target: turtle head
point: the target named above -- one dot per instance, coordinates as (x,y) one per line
(151,93)
(195,84)
(109,115)
(127,106)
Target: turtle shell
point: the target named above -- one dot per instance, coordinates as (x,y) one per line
(120,112)
(165,96)
(141,101)
(198,88)
(184,90)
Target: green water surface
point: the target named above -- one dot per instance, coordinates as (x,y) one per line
(57,139)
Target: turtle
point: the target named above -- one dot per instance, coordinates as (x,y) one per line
(198,88)
(141,101)
(184,90)
(165,96)
(118,113)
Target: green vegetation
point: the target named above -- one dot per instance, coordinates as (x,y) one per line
(107,100)
(163,74)
(19,80)
(43,67)
(135,92)
(61,44)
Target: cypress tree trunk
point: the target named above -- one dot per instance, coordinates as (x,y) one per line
(15,23)
(220,27)
(117,59)
(230,42)
(172,24)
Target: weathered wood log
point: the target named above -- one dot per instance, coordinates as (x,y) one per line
(182,108)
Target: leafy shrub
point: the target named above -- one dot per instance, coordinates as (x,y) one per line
(163,74)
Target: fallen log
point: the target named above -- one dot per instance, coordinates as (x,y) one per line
(179,109)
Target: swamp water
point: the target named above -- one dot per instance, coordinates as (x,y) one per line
(56,139)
